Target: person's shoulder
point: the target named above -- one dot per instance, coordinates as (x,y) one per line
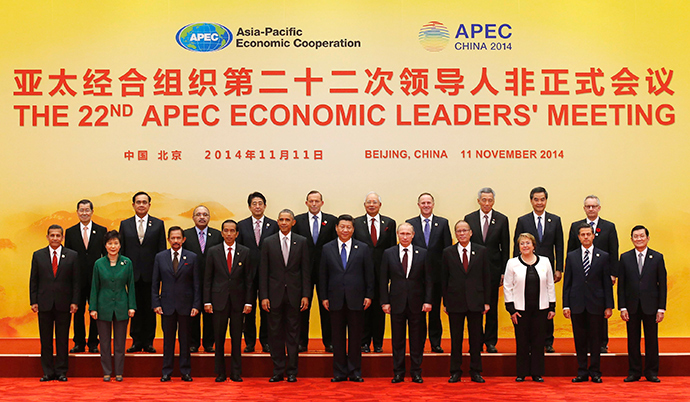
(72,229)
(298,238)
(555,217)
(68,252)
(385,218)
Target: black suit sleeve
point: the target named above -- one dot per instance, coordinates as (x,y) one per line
(263,271)
(307,287)
(613,250)
(622,283)
(486,277)
(447,239)
(661,282)
(567,281)
(428,281)
(323,275)
(197,284)
(573,240)
(608,286)
(249,291)
(161,238)
(383,280)
(156,284)
(208,277)
(369,279)
(519,229)
(558,244)
(505,246)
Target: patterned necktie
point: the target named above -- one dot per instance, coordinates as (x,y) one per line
(485,228)
(202,241)
(85,236)
(343,255)
(286,250)
(55,264)
(257,233)
(640,262)
(465,261)
(374,236)
(592,225)
(427,231)
(405,262)
(315,229)
(540,228)
(140,231)
(230,260)
(585,262)
(176,262)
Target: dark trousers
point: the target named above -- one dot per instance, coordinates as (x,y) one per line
(283,333)
(79,327)
(491,325)
(143,328)
(435,326)
(651,344)
(347,364)
(416,325)
(195,330)
(474,329)
(605,334)
(119,331)
(57,321)
(250,322)
(529,335)
(325,324)
(172,324)
(587,335)
(220,326)
(374,323)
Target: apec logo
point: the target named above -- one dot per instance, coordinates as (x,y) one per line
(204,37)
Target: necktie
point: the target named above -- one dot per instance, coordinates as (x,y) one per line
(592,225)
(640,262)
(55,264)
(230,260)
(374,236)
(405,262)
(315,229)
(343,256)
(485,228)
(176,262)
(585,262)
(427,231)
(85,236)
(540,228)
(465,261)
(140,231)
(257,233)
(202,241)
(286,250)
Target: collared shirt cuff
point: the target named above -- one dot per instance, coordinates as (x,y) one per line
(661,311)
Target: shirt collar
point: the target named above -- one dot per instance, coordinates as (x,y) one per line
(430,218)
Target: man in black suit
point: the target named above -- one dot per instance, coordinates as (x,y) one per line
(86,238)
(176,296)
(284,290)
(408,271)
(228,283)
(490,229)
(142,237)
(587,301)
(642,302)
(319,228)
(466,280)
(251,233)
(378,232)
(200,238)
(548,231)
(605,238)
(432,233)
(54,295)
(347,283)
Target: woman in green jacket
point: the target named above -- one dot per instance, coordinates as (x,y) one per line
(112,303)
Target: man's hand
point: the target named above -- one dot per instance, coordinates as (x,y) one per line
(73,308)
(557,276)
(194,312)
(386,308)
(613,280)
(625,316)
(486,308)
(367,303)
(208,308)
(247,309)
(34,308)
(94,315)
(550,315)
(659,316)
(566,313)
(515,317)
(266,305)
(304,304)
(501,283)
(426,307)
(131,312)
(607,313)
(326,305)
(158,310)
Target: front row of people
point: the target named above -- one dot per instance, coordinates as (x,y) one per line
(347,283)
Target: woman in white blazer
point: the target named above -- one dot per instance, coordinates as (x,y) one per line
(530,298)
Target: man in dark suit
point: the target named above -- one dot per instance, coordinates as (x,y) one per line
(54,295)
(319,228)
(200,238)
(587,300)
(252,232)
(408,271)
(86,238)
(466,280)
(176,296)
(490,229)
(347,283)
(432,233)
(284,290)
(228,283)
(378,232)
(548,231)
(142,236)
(605,239)
(642,302)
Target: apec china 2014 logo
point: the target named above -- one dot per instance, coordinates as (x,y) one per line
(434,36)
(204,37)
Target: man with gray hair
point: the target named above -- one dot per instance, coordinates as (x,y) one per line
(605,238)
(490,229)
(284,290)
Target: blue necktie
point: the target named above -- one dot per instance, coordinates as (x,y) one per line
(585,262)
(343,256)
(540,229)
(315,229)
(427,231)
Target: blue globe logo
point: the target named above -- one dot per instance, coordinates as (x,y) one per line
(204,37)
(434,36)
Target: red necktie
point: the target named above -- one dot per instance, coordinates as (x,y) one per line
(54,263)
(465,262)
(374,237)
(405,261)
(230,261)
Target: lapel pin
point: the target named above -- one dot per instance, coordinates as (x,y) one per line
(268,224)
(294,242)
(493,221)
(472,252)
(122,263)
(209,234)
(597,254)
(416,251)
(184,257)
(549,220)
(239,263)
(94,232)
(355,246)
(62,256)
(324,223)
(436,224)
(650,256)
